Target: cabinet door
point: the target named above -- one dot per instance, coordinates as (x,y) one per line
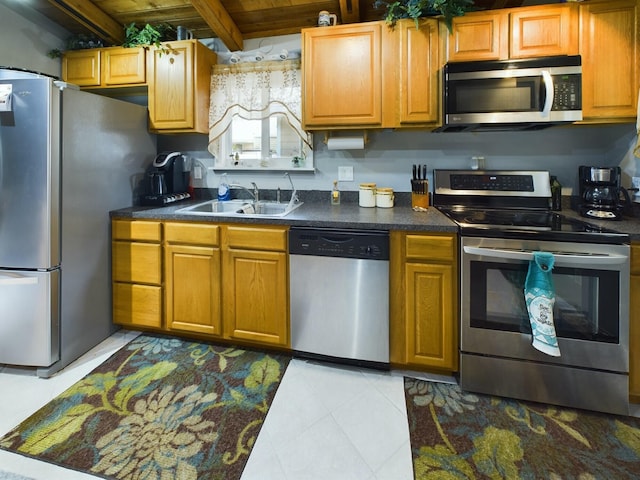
(82,67)
(544,31)
(479,36)
(123,66)
(609,48)
(419,73)
(137,305)
(171,96)
(192,286)
(342,75)
(430,318)
(256,296)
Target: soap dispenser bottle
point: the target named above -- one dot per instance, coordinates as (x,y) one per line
(335,194)
(223,188)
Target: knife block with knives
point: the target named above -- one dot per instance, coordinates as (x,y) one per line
(419,188)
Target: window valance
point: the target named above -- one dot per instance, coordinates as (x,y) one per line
(254,91)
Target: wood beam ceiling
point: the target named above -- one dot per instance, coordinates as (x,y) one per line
(93,18)
(350,11)
(215,15)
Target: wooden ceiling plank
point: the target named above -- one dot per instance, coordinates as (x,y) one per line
(350,11)
(214,14)
(97,21)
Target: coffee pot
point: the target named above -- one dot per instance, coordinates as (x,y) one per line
(601,195)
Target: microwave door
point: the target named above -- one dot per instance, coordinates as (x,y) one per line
(498,97)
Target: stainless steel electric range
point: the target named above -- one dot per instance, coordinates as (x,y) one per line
(504,217)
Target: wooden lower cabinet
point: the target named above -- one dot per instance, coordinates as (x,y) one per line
(256,285)
(634,325)
(218,281)
(136,271)
(424,301)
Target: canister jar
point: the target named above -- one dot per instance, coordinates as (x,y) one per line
(367,195)
(384,197)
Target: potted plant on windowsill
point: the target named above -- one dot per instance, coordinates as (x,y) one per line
(416,9)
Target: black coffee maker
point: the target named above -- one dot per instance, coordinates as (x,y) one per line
(601,195)
(167,179)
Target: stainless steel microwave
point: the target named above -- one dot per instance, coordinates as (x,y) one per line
(512,94)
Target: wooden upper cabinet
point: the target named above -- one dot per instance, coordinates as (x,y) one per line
(124,66)
(105,67)
(610,60)
(544,31)
(527,32)
(179,82)
(82,67)
(419,72)
(479,36)
(342,75)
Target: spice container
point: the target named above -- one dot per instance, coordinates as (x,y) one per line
(384,197)
(367,196)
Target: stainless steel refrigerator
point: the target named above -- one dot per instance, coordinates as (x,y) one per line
(67,158)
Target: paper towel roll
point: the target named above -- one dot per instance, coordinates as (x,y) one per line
(345,143)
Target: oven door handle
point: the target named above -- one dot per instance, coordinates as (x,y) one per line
(570,258)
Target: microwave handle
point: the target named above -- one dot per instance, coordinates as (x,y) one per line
(609,259)
(547,79)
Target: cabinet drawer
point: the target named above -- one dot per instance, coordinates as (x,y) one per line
(263,238)
(137,305)
(635,259)
(430,247)
(192,233)
(136,262)
(136,230)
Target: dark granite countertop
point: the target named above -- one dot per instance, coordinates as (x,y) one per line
(310,214)
(317,212)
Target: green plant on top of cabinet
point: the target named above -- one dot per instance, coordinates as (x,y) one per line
(179,80)
(424,301)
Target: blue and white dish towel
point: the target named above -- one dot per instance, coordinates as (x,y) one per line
(540,296)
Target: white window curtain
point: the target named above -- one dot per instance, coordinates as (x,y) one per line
(254,91)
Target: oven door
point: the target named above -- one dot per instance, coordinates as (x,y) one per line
(590,314)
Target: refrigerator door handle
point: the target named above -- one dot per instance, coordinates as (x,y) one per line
(16,279)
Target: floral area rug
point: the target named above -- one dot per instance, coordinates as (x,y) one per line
(159,408)
(457,435)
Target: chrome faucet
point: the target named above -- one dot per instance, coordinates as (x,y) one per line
(294,193)
(255,192)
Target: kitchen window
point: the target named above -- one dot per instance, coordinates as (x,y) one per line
(255,118)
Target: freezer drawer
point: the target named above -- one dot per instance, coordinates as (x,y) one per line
(30,321)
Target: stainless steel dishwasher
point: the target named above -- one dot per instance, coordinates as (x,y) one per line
(339,284)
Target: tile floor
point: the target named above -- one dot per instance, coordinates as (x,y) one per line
(327,421)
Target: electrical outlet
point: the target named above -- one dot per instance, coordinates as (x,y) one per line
(197,172)
(345,174)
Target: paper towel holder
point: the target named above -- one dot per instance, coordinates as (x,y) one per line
(328,136)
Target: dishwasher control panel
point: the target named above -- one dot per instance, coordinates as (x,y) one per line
(330,242)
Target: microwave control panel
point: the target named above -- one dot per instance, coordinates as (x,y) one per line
(567,92)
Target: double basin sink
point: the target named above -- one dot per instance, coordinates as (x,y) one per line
(240,208)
